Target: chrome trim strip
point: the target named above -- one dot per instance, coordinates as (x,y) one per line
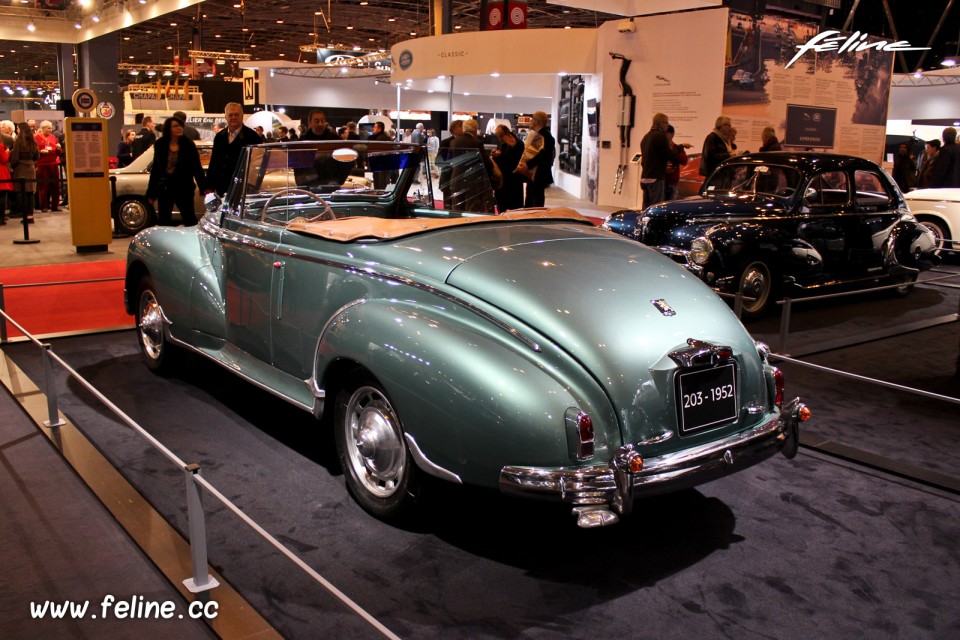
(427,465)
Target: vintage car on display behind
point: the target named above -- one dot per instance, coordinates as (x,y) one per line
(132,211)
(529,351)
(779,223)
(938,209)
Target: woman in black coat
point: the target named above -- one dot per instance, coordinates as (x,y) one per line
(176,166)
(507,156)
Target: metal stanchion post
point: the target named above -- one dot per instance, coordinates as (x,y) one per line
(784,325)
(26,223)
(201,580)
(738,304)
(53,413)
(3,322)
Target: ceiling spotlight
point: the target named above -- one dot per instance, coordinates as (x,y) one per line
(96,17)
(142,1)
(77,25)
(948,62)
(918,74)
(31,27)
(85,3)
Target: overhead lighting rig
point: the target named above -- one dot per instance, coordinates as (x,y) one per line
(217,55)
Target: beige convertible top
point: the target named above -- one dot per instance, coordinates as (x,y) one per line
(355,228)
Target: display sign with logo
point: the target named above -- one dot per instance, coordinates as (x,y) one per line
(249,87)
(84,100)
(492,18)
(516,14)
(106,110)
(810,126)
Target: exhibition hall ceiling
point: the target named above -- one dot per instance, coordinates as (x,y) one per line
(285,29)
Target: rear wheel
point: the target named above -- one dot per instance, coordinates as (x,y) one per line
(757,286)
(377,466)
(159,354)
(134,215)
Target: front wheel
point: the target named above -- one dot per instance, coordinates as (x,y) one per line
(939,230)
(906,284)
(379,471)
(159,354)
(757,285)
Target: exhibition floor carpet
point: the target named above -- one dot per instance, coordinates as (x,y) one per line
(817,547)
(58,299)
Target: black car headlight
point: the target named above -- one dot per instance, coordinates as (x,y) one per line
(700,250)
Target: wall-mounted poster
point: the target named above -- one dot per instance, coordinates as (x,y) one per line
(763,82)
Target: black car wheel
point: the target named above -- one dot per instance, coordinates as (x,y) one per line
(757,286)
(379,471)
(906,284)
(134,215)
(158,353)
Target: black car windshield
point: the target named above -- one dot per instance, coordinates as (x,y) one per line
(754,179)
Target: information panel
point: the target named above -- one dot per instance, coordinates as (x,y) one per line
(88,184)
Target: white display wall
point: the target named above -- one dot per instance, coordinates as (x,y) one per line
(676,68)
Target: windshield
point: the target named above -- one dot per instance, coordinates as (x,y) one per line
(279,183)
(754,179)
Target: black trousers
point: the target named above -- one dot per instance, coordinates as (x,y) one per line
(183,199)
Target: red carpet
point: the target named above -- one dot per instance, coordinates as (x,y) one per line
(53,309)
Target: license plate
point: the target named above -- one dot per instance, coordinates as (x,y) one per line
(706,398)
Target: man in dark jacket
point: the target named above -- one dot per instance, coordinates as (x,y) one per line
(443,161)
(656,154)
(542,162)
(468,192)
(144,138)
(946,172)
(228,146)
(318,128)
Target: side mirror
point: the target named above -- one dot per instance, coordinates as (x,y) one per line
(212,202)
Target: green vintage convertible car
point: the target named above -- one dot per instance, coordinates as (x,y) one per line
(529,351)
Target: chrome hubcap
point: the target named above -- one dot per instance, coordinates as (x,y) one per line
(132,214)
(755,284)
(376,451)
(151,325)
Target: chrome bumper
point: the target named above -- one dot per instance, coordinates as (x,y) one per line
(597,490)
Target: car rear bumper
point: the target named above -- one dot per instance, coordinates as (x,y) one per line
(599,491)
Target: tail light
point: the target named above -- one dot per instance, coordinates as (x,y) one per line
(585,437)
(580,438)
(778,386)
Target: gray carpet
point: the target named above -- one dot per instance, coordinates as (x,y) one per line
(810,548)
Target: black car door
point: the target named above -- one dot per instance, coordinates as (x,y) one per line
(828,221)
(877,213)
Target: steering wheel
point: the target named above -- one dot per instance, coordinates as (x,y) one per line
(328,213)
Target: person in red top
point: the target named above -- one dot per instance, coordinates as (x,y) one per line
(6,185)
(48,168)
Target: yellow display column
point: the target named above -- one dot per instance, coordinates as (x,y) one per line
(88,178)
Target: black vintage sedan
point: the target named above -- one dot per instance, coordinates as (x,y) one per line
(773,224)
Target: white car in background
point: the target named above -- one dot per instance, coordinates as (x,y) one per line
(938,209)
(133,211)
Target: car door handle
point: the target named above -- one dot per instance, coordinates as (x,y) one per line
(278,283)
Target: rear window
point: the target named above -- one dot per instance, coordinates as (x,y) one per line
(827,189)
(871,190)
